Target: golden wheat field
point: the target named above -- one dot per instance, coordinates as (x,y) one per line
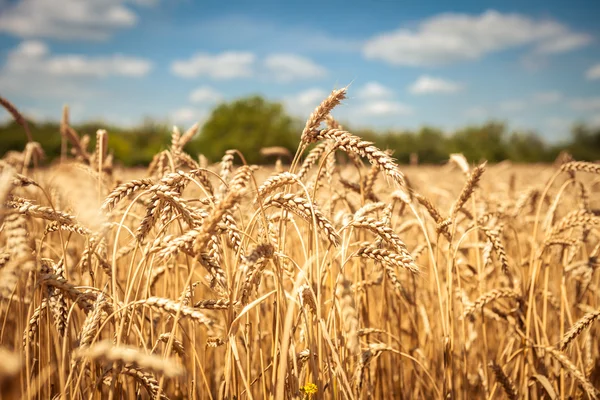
(339,276)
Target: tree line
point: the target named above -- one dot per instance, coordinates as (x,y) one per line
(251,123)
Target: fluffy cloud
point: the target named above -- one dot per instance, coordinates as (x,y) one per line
(565,42)
(513,105)
(145,3)
(376,100)
(517,105)
(428,84)
(586,104)
(67,19)
(184,114)
(593,72)
(534,100)
(31,70)
(33,57)
(384,108)
(187,115)
(558,123)
(449,38)
(374,90)
(550,97)
(205,94)
(304,103)
(476,112)
(594,121)
(227,65)
(290,67)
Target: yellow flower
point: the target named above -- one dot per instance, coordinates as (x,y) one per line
(309,388)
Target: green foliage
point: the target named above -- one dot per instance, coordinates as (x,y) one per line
(130,146)
(248,125)
(528,147)
(585,143)
(12,137)
(251,123)
(484,142)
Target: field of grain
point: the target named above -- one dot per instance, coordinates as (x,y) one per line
(340,275)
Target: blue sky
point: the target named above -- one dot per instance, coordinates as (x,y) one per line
(535,64)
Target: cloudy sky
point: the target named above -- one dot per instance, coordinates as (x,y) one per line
(534,64)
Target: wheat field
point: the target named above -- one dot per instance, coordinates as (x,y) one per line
(339,275)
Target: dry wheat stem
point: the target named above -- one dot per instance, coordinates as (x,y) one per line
(578,327)
(106,352)
(573,371)
(353,144)
(321,112)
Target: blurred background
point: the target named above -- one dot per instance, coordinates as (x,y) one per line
(494,80)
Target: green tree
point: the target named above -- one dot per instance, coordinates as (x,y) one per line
(251,123)
(431,145)
(585,143)
(527,147)
(247,124)
(485,142)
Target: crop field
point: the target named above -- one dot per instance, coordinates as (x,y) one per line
(334,273)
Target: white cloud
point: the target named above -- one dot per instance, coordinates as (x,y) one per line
(33,57)
(290,67)
(66,19)
(558,122)
(306,101)
(311,97)
(30,49)
(476,112)
(564,43)
(593,72)
(594,121)
(550,97)
(533,100)
(513,105)
(31,70)
(205,94)
(145,3)
(186,115)
(449,38)
(376,101)
(227,65)
(586,104)
(428,84)
(72,65)
(384,108)
(374,90)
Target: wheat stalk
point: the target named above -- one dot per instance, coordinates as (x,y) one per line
(573,371)
(489,297)
(107,353)
(321,112)
(353,144)
(577,328)
(505,381)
